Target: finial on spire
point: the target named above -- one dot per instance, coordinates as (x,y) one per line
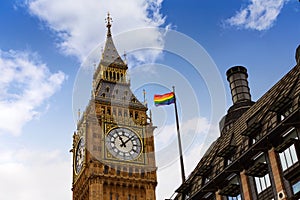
(145,100)
(125,57)
(108,21)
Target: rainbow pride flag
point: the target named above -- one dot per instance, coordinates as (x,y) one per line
(164,99)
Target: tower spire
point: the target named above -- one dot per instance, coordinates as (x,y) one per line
(108,21)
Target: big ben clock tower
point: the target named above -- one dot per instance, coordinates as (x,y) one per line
(113,146)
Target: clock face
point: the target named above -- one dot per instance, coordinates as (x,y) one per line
(79,157)
(123,144)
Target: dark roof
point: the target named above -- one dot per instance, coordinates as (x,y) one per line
(110,54)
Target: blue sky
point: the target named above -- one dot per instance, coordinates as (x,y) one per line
(44,43)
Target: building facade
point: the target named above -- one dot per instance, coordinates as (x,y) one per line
(256,156)
(113,146)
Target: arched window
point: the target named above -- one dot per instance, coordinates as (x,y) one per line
(105,169)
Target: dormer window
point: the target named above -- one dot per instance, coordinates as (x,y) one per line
(287,150)
(284,113)
(232,189)
(260,173)
(289,153)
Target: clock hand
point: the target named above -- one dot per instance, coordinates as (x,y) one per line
(124,144)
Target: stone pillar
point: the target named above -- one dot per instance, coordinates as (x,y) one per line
(275,166)
(245,185)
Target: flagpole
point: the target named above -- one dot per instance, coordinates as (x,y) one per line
(179,140)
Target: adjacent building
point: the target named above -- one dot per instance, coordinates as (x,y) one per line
(256,156)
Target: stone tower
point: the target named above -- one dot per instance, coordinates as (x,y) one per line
(113,146)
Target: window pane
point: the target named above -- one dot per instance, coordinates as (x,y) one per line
(296,187)
(268,182)
(288,158)
(282,160)
(293,154)
(258,186)
(263,183)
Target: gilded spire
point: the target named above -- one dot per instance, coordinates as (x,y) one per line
(108,21)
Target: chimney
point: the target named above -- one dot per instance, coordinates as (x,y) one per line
(237,77)
(241,97)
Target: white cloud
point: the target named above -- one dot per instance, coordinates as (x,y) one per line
(80,24)
(27,175)
(199,134)
(25,84)
(258,15)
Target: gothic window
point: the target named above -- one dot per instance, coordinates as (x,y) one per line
(136,115)
(107,89)
(103,94)
(120,113)
(133,99)
(105,169)
(130,171)
(116,91)
(130,114)
(118,171)
(108,111)
(142,173)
